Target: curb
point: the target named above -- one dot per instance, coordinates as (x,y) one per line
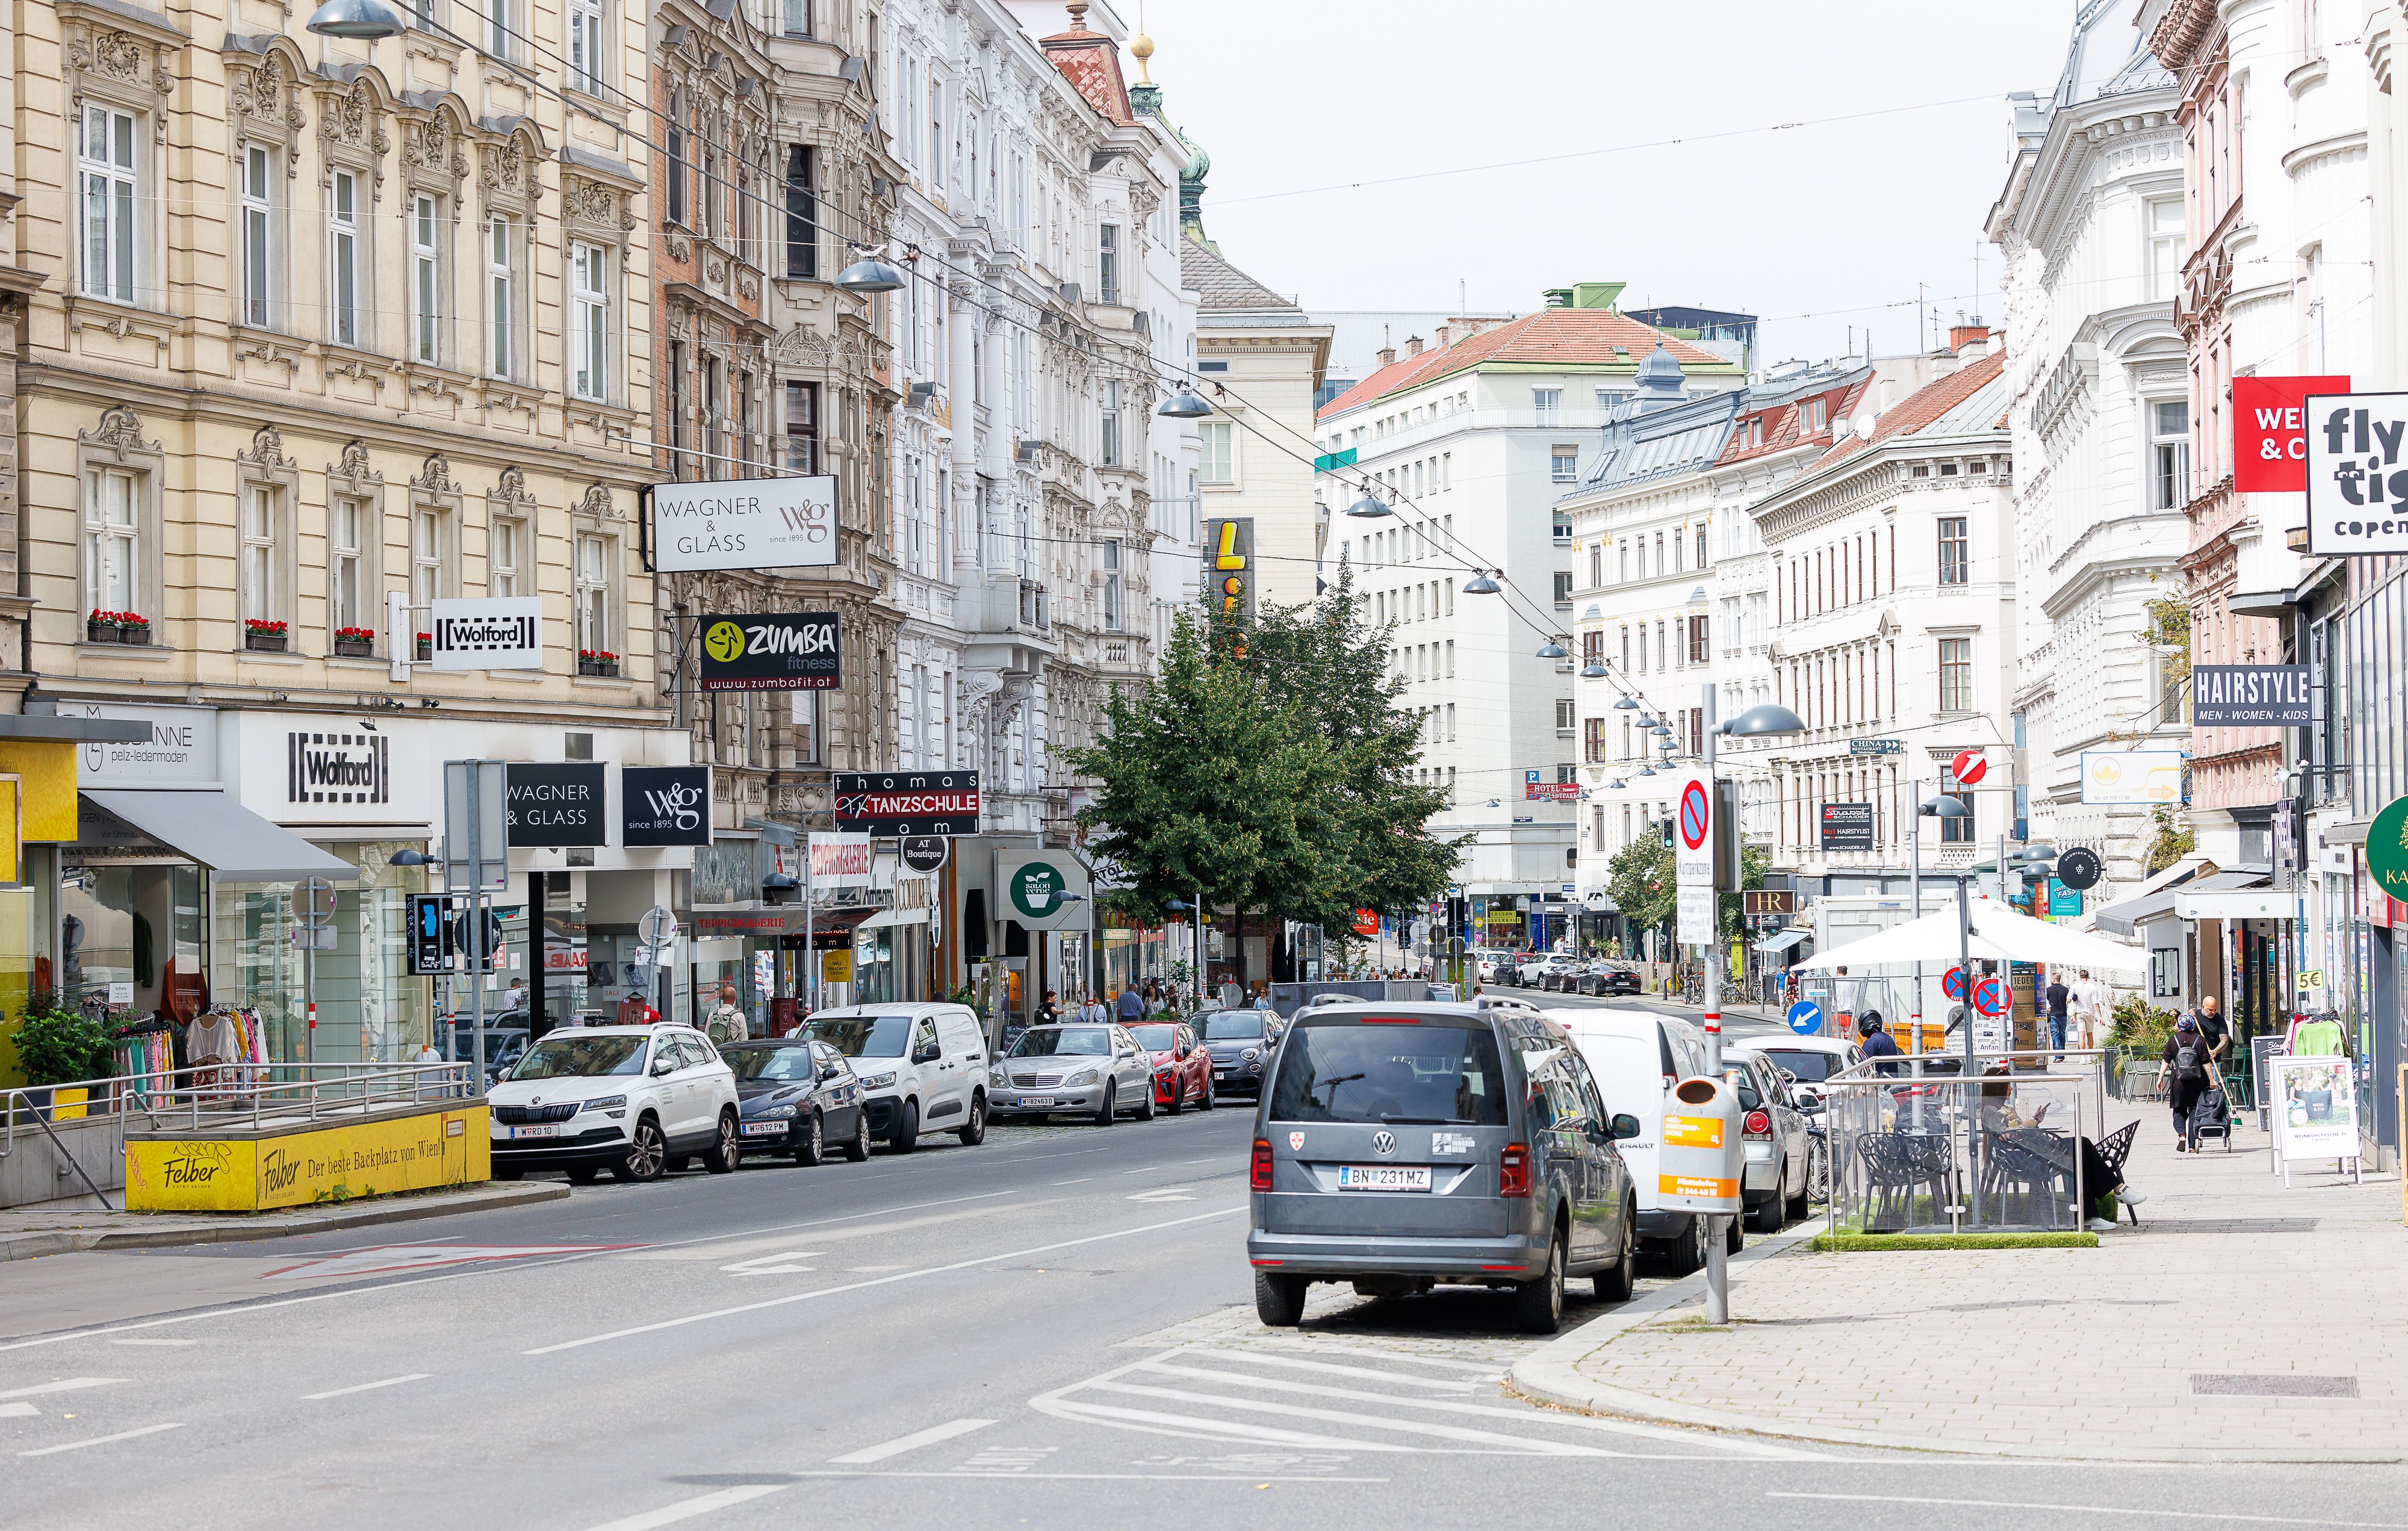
(1550,1375)
(30,1246)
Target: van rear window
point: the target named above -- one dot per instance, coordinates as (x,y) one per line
(1346,1071)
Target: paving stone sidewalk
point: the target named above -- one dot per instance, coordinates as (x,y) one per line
(28,1232)
(2239,1322)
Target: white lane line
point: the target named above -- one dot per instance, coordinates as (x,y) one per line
(781,1264)
(68,1384)
(875,1281)
(1162,1193)
(686,1510)
(17,1411)
(1248,1479)
(1081,1180)
(911,1442)
(2097,1510)
(1329,1368)
(365,1387)
(1192,1426)
(161,1342)
(101,1441)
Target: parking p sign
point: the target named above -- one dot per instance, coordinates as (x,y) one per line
(2358,474)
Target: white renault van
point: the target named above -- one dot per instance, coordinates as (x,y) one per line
(922,1068)
(1636,1058)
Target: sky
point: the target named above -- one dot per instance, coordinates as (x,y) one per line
(1816,227)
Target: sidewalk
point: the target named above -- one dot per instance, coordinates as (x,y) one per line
(2239,1322)
(26,1232)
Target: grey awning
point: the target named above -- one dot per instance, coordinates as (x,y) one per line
(2125,918)
(1773,945)
(208,825)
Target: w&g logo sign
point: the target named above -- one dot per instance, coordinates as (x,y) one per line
(665,804)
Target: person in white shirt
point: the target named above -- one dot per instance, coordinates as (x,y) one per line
(2088,1008)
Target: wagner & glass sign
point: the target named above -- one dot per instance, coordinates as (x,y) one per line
(744,523)
(557,804)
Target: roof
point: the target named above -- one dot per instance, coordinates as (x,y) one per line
(1090,61)
(1785,418)
(1597,339)
(1969,401)
(1222,285)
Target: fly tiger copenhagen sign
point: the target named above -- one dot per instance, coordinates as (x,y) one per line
(744,523)
(2358,474)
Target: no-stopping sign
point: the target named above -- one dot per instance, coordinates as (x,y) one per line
(1991,996)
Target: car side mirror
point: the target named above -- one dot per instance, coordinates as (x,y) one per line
(1625,1125)
(929,1053)
(663,1065)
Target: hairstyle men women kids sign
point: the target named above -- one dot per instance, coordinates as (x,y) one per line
(2250,696)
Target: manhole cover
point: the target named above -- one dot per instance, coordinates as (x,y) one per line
(2272,1385)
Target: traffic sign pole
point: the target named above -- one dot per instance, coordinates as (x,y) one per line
(1717,1256)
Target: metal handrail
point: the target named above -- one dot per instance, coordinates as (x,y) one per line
(162,1096)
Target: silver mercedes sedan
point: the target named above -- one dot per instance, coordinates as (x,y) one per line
(1094,1070)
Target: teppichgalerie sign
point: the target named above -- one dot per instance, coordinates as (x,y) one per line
(2386,849)
(209,1172)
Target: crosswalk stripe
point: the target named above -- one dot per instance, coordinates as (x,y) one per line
(1332,1370)
(1193,1424)
(1534,1446)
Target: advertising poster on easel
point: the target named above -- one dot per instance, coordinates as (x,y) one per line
(2316,1110)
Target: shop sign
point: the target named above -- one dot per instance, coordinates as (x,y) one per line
(487,633)
(800,651)
(665,804)
(2270,438)
(2316,1109)
(2386,849)
(835,966)
(839,861)
(1034,888)
(744,523)
(205,1174)
(890,803)
(1232,541)
(2357,479)
(926,853)
(1366,922)
(2250,696)
(560,804)
(339,765)
(182,747)
(2142,777)
(1847,826)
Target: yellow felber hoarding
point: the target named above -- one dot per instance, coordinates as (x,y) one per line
(326,1162)
(46,767)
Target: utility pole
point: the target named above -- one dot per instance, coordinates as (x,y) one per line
(1717,1254)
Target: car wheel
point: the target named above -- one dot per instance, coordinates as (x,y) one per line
(1279,1300)
(1618,1281)
(647,1158)
(1734,1238)
(907,1130)
(813,1148)
(1688,1252)
(973,1132)
(1104,1112)
(509,1174)
(1539,1306)
(1207,1100)
(1793,1209)
(1145,1106)
(858,1150)
(1768,1218)
(727,1151)
(1177,1096)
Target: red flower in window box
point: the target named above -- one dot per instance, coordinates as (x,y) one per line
(263,628)
(355,635)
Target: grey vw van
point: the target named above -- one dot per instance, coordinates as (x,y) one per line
(1399,1146)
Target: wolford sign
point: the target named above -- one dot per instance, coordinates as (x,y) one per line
(744,523)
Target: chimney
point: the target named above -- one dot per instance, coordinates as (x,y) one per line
(1412,345)
(1970,340)
(1445,336)
(1387,356)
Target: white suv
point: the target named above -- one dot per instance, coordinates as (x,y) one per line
(635,1100)
(922,1066)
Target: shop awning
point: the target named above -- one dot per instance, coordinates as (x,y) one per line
(208,825)
(895,917)
(2126,918)
(1775,945)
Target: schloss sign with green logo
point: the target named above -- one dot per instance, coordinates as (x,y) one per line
(1036,890)
(2386,849)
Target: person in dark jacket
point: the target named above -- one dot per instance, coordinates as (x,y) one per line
(1877,1043)
(2191,1072)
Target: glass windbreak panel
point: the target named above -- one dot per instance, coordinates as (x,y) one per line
(1351,1072)
(1065,1042)
(865,1036)
(369,1007)
(581,1057)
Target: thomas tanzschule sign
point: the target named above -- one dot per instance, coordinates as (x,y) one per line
(907,802)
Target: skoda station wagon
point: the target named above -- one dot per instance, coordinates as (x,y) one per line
(1402,1146)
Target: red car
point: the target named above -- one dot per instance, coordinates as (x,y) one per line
(1183,1070)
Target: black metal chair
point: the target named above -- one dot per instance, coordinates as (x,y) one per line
(1898,1165)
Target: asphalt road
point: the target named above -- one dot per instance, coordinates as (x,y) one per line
(1055,1329)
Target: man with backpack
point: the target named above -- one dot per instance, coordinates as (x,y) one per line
(2189,1076)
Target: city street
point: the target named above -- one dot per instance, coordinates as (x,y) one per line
(1052,1329)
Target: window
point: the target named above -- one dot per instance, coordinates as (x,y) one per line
(1956,674)
(1450,659)
(1108,263)
(676,146)
(794,17)
(676,409)
(589,311)
(802,216)
(1216,464)
(1593,646)
(714,419)
(110,204)
(1563,464)
(1564,715)
(501,28)
(1109,455)
(586,53)
(1548,403)
(347,523)
(1958,831)
(1697,638)
(501,283)
(593,593)
(2169,454)
(1956,564)
(258,233)
(2167,246)
(1112,586)
(1701,547)
(343,261)
(506,555)
(802,427)
(426,276)
(259,592)
(1563,587)
(1593,740)
(426,556)
(112,538)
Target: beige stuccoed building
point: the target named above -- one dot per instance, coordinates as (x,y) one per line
(318,320)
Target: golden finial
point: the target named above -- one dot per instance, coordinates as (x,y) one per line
(1141,46)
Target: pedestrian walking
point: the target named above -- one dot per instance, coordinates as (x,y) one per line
(2189,1071)
(2210,1016)
(1877,1044)
(1048,1009)
(2089,1007)
(1132,1005)
(2058,996)
(1093,1013)
(727,1022)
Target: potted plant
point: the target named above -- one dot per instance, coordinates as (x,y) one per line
(355,642)
(596,662)
(56,1046)
(265,635)
(133,627)
(425,647)
(100,627)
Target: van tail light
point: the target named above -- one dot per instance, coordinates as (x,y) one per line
(1258,1173)
(1757,1124)
(1513,1171)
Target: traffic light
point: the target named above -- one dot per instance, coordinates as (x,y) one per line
(1664,828)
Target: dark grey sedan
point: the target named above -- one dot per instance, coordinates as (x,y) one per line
(1241,1044)
(798,1096)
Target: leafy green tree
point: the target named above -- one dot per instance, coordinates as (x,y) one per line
(1640,882)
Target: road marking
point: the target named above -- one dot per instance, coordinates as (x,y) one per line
(2098,1509)
(1161,1195)
(873,1282)
(1090,1478)
(161,1342)
(872,1270)
(686,1510)
(1533,1446)
(768,1264)
(101,1441)
(1332,1370)
(70,1385)
(365,1387)
(17,1411)
(1190,1426)
(386,1259)
(745,1246)
(911,1442)
(1081,1180)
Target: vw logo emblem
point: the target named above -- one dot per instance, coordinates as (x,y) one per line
(535,1100)
(1384,1142)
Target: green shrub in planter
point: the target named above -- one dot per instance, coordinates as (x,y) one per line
(58,1046)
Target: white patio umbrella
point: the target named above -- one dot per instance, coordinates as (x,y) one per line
(1999,934)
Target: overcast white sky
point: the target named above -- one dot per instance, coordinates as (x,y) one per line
(1289,94)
